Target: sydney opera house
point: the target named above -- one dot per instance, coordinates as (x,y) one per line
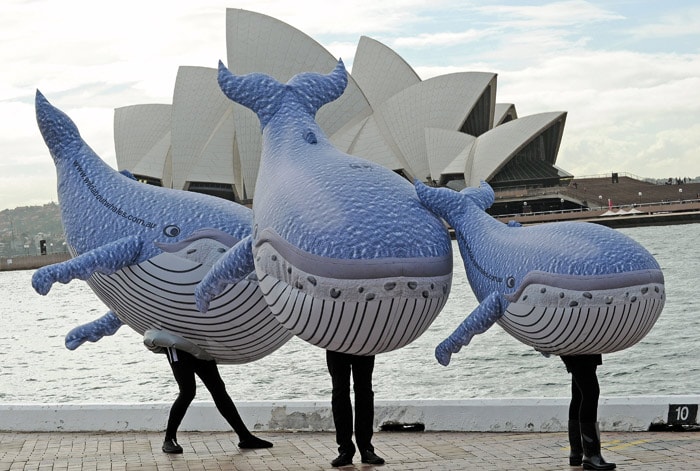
(448,130)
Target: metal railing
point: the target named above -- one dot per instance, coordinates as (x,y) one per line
(597,208)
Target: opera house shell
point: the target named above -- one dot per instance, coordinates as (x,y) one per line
(447,130)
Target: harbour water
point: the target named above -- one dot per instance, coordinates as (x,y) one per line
(36,367)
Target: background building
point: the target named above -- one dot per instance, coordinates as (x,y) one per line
(448,130)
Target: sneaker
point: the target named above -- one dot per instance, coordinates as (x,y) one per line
(254,442)
(370,457)
(171,446)
(343,459)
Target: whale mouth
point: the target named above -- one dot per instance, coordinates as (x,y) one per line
(362,307)
(340,268)
(356,280)
(578,315)
(585,283)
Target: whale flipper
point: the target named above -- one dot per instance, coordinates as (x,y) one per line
(233,266)
(106,259)
(478,322)
(93,331)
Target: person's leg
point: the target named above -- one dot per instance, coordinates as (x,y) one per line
(574,427)
(576,399)
(208,372)
(586,383)
(183,372)
(586,380)
(339,369)
(362,369)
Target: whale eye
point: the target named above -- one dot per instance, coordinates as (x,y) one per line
(510,282)
(171,231)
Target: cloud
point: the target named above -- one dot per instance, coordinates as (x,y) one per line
(646,152)
(440,39)
(546,15)
(632,111)
(626,73)
(670,25)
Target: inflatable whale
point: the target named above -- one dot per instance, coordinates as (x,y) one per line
(143,249)
(347,257)
(564,288)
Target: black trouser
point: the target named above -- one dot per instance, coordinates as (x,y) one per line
(585,390)
(340,365)
(185,366)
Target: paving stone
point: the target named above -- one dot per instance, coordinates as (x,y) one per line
(302,451)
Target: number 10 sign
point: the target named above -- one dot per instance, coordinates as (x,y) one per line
(682,414)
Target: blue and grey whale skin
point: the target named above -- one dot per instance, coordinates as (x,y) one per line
(347,257)
(564,288)
(143,249)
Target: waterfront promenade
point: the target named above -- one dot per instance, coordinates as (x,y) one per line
(477,434)
(406,451)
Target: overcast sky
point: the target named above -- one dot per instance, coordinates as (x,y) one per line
(627,72)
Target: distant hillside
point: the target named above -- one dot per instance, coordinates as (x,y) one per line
(22,228)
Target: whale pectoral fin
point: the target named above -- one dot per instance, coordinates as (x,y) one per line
(106,259)
(93,331)
(478,322)
(232,267)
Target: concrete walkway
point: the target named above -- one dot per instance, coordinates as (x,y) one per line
(71,451)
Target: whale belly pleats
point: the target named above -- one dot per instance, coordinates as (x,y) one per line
(360,328)
(588,322)
(362,307)
(159,294)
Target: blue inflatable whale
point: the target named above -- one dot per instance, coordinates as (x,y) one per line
(347,256)
(565,288)
(143,249)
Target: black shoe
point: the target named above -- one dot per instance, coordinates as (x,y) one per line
(252,442)
(576,454)
(171,446)
(590,439)
(575,459)
(370,457)
(597,462)
(343,459)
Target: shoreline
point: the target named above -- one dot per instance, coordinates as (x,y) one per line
(650,215)
(31,262)
(635,413)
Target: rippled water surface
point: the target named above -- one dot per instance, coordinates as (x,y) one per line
(36,367)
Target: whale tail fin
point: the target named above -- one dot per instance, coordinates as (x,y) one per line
(443,202)
(451,205)
(321,89)
(483,196)
(57,129)
(264,95)
(258,92)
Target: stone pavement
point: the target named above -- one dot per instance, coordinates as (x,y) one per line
(432,451)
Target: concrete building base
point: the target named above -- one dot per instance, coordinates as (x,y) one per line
(468,415)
